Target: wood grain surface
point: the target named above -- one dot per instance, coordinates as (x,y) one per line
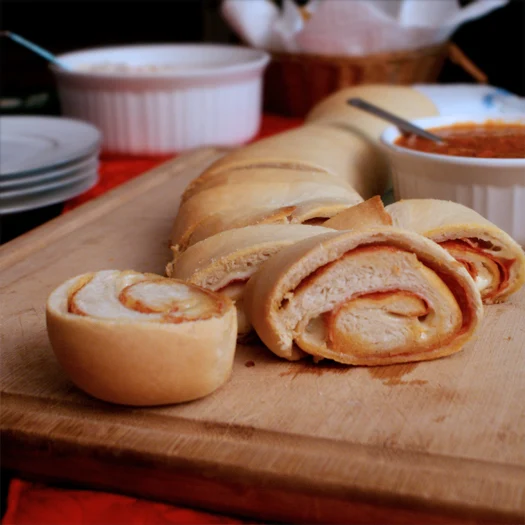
(434,442)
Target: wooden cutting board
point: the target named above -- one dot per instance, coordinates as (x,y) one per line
(436,442)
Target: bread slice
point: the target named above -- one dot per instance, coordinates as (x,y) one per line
(224,262)
(494,260)
(141,339)
(260,175)
(253,202)
(330,150)
(364,297)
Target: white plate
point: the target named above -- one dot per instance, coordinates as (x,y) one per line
(47,198)
(15,177)
(43,176)
(37,143)
(75,176)
(462,99)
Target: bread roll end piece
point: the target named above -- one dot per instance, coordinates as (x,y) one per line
(404,101)
(133,339)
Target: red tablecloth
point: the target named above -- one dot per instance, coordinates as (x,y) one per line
(38,504)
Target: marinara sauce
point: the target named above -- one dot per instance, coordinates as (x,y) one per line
(491,140)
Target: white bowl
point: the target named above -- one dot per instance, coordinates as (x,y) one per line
(199,95)
(495,188)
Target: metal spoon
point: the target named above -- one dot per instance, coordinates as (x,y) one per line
(34,47)
(402,124)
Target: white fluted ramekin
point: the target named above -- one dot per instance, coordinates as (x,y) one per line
(495,188)
(200,95)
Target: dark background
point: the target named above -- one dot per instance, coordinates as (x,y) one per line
(495,43)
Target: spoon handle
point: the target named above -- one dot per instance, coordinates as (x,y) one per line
(33,47)
(402,124)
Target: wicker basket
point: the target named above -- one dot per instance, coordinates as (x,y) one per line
(294,83)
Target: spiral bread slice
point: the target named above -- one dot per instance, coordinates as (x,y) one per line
(494,260)
(366,297)
(224,262)
(141,339)
(255,203)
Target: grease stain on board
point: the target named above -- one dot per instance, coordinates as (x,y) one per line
(390,375)
(393,375)
(299,368)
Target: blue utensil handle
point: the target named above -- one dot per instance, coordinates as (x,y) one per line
(33,47)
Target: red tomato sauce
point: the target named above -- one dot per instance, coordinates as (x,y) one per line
(491,140)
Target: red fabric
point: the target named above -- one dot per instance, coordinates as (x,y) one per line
(38,504)
(35,503)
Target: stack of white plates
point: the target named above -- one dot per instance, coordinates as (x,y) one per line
(45,160)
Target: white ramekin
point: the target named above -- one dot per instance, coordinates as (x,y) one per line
(212,97)
(495,188)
